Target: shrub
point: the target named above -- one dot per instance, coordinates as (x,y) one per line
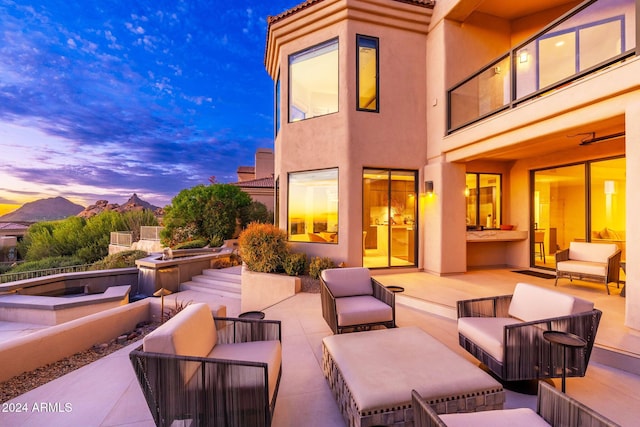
(263,247)
(318,264)
(295,264)
(122,259)
(192,244)
(47,263)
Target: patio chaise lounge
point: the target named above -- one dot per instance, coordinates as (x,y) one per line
(554,408)
(193,374)
(505,333)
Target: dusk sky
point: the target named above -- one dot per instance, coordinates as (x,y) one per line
(103,98)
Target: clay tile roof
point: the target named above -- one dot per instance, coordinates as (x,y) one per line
(306,4)
(267,182)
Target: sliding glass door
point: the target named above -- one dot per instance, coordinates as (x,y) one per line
(581,202)
(389,218)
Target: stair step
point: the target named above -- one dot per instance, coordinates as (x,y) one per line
(195,286)
(214,282)
(222,275)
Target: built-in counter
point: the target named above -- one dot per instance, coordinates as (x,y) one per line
(490,248)
(496,236)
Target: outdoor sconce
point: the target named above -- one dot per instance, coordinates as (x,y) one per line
(524,56)
(428,187)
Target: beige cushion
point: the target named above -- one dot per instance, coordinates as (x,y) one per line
(487,333)
(520,417)
(362,309)
(531,303)
(592,252)
(191,332)
(269,352)
(584,267)
(348,281)
(381,367)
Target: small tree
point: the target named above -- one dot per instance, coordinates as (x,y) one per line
(210,212)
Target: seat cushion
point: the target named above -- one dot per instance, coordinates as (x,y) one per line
(191,332)
(520,417)
(584,267)
(269,352)
(348,281)
(487,333)
(362,310)
(531,303)
(591,252)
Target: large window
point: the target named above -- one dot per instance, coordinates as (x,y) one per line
(483,192)
(367,74)
(313,81)
(313,206)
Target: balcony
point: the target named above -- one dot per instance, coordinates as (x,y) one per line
(585,41)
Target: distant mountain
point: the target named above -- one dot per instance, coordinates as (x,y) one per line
(43,210)
(134,203)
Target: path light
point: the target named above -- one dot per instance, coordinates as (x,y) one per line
(161,293)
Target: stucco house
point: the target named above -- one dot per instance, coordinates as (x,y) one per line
(457,134)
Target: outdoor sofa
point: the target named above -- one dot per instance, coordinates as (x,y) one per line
(505,332)
(554,408)
(193,374)
(591,261)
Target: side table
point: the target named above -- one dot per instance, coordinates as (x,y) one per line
(564,339)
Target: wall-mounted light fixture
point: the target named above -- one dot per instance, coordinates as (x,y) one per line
(523,56)
(609,187)
(428,187)
(467,192)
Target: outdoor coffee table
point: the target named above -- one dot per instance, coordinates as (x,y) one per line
(371,375)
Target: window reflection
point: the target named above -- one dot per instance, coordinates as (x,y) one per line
(313,206)
(313,80)
(367,64)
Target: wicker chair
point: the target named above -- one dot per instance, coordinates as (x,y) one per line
(554,408)
(233,386)
(352,300)
(505,333)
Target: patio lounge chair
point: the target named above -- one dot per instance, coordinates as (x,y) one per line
(193,374)
(506,332)
(351,299)
(554,408)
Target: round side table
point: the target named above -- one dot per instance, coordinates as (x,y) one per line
(564,339)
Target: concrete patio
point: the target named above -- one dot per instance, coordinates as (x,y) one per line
(105,393)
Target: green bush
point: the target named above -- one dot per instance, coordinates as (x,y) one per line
(47,263)
(318,264)
(122,259)
(295,264)
(263,247)
(192,244)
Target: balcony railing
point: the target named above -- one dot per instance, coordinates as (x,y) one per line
(589,38)
(12,277)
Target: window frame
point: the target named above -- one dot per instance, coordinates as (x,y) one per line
(496,222)
(376,40)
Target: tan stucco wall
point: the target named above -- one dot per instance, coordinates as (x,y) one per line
(351,140)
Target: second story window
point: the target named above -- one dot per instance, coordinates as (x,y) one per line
(367,73)
(277,107)
(313,81)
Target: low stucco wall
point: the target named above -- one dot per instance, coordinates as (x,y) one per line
(262,290)
(49,345)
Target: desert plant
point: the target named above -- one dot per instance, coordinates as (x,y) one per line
(122,259)
(318,264)
(178,306)
(263,247)
(295,264)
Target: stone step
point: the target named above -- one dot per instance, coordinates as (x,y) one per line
(212,282)
(223,275)
(199,287)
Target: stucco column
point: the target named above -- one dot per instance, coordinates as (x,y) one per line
(444,231)
(632,146)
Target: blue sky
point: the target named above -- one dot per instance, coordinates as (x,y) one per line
(101,98)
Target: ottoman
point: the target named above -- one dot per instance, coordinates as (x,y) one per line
(371,375)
